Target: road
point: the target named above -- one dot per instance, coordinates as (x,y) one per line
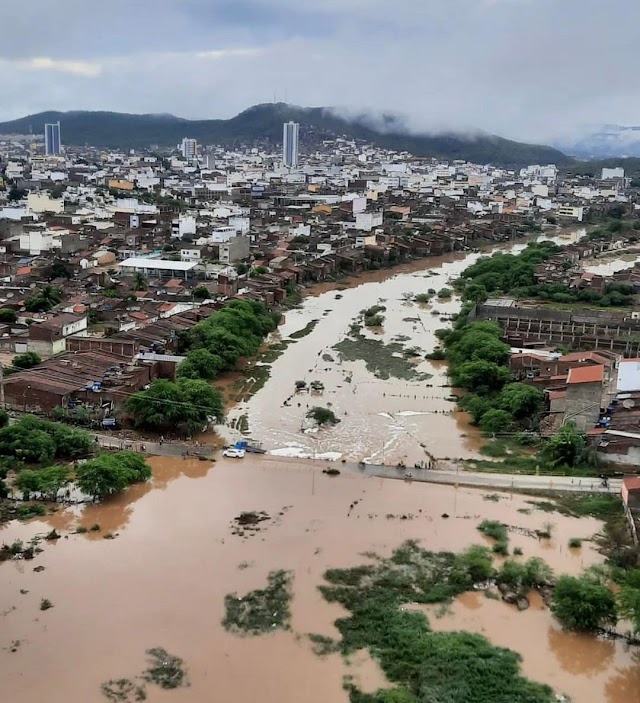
(450,477)
(461,478)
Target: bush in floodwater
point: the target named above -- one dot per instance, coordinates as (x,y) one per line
(323,416)
(583,604)
(575,543)
(165,670)
(495,529)
(457,667)
(123,691)
(262,610)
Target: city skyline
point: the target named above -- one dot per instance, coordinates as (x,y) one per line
(518,68)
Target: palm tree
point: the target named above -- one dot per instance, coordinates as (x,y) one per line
(139,281)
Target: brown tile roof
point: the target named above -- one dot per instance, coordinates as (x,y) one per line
(586,374)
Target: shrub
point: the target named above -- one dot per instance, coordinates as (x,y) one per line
(322,416)
(582,604)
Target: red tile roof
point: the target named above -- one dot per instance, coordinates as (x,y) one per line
(586,374)
(631,483)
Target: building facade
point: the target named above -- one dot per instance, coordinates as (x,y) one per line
(189,148)
(52,143)
(290,134)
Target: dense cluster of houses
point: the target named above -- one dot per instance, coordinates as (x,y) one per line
(106,256)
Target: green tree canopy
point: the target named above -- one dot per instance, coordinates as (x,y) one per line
(185,406)
(521,400)
(583,604)
(7,315)
(629,597)
(495,421)
(201,363)
(43,299)
(26,361)
(111,473)
(34,440)
(480,377)
(567,448)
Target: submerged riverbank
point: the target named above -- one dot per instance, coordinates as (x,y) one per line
(394,405)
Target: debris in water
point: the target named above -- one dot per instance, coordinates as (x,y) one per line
(262,610)
(331,472)
(165,670)
(38,569)
(45,604)
(123,690)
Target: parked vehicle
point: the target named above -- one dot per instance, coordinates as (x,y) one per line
(233,453)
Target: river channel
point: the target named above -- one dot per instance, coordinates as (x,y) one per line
(161,582)
(382,420)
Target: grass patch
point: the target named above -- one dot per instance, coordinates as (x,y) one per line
(456,667)
(263,610)
(307,329)
(384,361)
(494,529)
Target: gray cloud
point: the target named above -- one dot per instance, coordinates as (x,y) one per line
(527,69)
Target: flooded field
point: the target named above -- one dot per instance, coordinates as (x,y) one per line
(583,667)
(161,582)
(608,265)
(383,418)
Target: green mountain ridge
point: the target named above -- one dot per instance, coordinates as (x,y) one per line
(264,123)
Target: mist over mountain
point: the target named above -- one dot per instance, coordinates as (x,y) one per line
(264,123)
(605,141)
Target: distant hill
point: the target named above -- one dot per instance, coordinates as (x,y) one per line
(607,141)
(264,122)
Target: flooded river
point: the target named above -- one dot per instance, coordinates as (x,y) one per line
(381,420)
(161,583)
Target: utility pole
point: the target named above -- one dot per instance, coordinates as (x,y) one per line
(2,405)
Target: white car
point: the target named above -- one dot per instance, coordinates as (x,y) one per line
(233,453)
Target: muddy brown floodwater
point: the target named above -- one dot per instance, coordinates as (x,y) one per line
(161,583)
(381,420)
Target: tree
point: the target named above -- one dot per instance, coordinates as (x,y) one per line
(201,363)
(629,598)
(7,316)
(16,194)
(566,448)
(444,293)
(186,405)
(39,441)
(47,482)
(495,421)
(521,400)
(26,361)
(139,281)
(44,299)
(242,268)
(582,604)
(108,474)
(481,376)
(58,190)
(60,270)
(201,292)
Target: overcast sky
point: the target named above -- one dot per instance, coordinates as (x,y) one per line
(526,69)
